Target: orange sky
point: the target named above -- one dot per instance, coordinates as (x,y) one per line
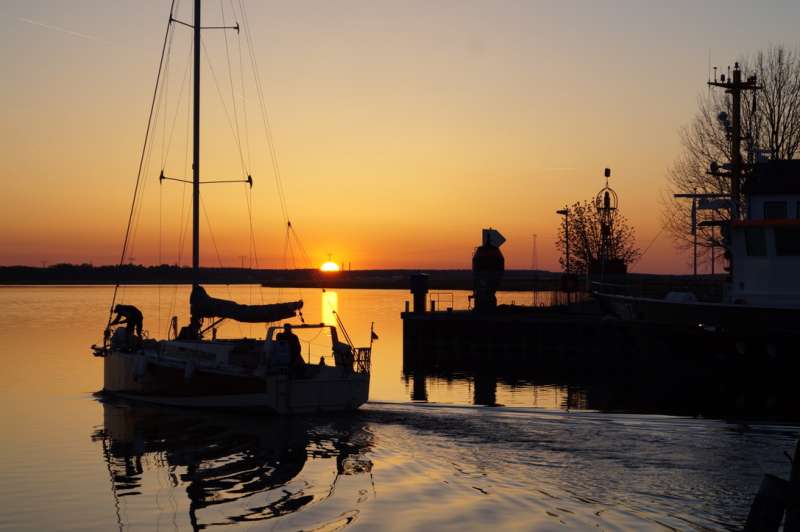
(402,128)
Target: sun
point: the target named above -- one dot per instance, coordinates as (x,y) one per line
(329,266)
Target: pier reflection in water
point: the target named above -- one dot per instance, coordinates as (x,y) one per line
(728,395)
(231,468)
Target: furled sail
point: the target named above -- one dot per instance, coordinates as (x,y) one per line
(205,306)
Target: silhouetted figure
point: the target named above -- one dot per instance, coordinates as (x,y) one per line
(296,363)
(131,317)
(191,331)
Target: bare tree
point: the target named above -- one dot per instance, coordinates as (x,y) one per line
(585,238)
(771,120)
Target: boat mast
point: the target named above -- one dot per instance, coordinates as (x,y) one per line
(196,152)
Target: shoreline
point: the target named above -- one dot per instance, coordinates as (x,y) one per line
(395,279)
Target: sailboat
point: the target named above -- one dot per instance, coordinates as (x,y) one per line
(189,370)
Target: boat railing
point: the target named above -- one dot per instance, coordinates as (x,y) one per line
(708,288)
(616,289)
(362,359)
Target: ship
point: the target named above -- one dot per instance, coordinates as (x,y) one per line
(761,296)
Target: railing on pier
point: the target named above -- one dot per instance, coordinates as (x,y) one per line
(710,289)
(557,298)
(438,300)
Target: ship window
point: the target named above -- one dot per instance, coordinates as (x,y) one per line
(755,241)
(775,210)
(787,241)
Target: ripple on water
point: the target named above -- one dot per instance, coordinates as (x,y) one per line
(395,467)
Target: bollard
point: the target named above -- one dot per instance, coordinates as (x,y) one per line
(419,289)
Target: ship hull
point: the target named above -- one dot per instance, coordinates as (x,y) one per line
(723,317)
(139,377)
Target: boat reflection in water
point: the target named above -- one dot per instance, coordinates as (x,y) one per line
(233,468)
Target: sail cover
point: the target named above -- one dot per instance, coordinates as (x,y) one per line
(205,306)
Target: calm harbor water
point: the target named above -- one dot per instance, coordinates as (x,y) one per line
(543,461)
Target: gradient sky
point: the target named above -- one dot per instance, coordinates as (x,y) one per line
(402,128)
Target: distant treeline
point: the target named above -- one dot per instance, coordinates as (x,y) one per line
(167,274)
(132,274)
(513,280)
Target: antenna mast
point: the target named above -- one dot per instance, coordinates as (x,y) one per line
(734,86)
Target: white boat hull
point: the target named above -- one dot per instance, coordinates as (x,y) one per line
(142,377)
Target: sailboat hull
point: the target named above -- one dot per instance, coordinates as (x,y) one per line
(137,376)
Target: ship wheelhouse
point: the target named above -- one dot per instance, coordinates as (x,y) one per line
(766,245)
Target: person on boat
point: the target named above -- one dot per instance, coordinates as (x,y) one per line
(191,331)
(296,362)
(132,318)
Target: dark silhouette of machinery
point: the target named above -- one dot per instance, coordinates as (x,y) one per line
(488,265)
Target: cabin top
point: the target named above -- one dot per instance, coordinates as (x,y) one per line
(773,190)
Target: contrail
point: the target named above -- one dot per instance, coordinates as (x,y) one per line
(56,28)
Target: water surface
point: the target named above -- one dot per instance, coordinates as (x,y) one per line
(543,461)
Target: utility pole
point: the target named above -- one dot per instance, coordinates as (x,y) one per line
(533,254)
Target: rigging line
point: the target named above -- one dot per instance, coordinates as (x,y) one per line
(291,252)
(189,104)
(285,257)
(224,107)
(294,262)
(650,245)
(183,225)
(302,249)
(141,160)
(264,113)
(285,246)
(246,169)
(233,95)
(248,192)
(177,111)
(165,93)
(140,200)
(216,250)
(160,242)
(160,104)
(184,230)
(248,196)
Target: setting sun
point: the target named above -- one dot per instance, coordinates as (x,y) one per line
(329,266)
